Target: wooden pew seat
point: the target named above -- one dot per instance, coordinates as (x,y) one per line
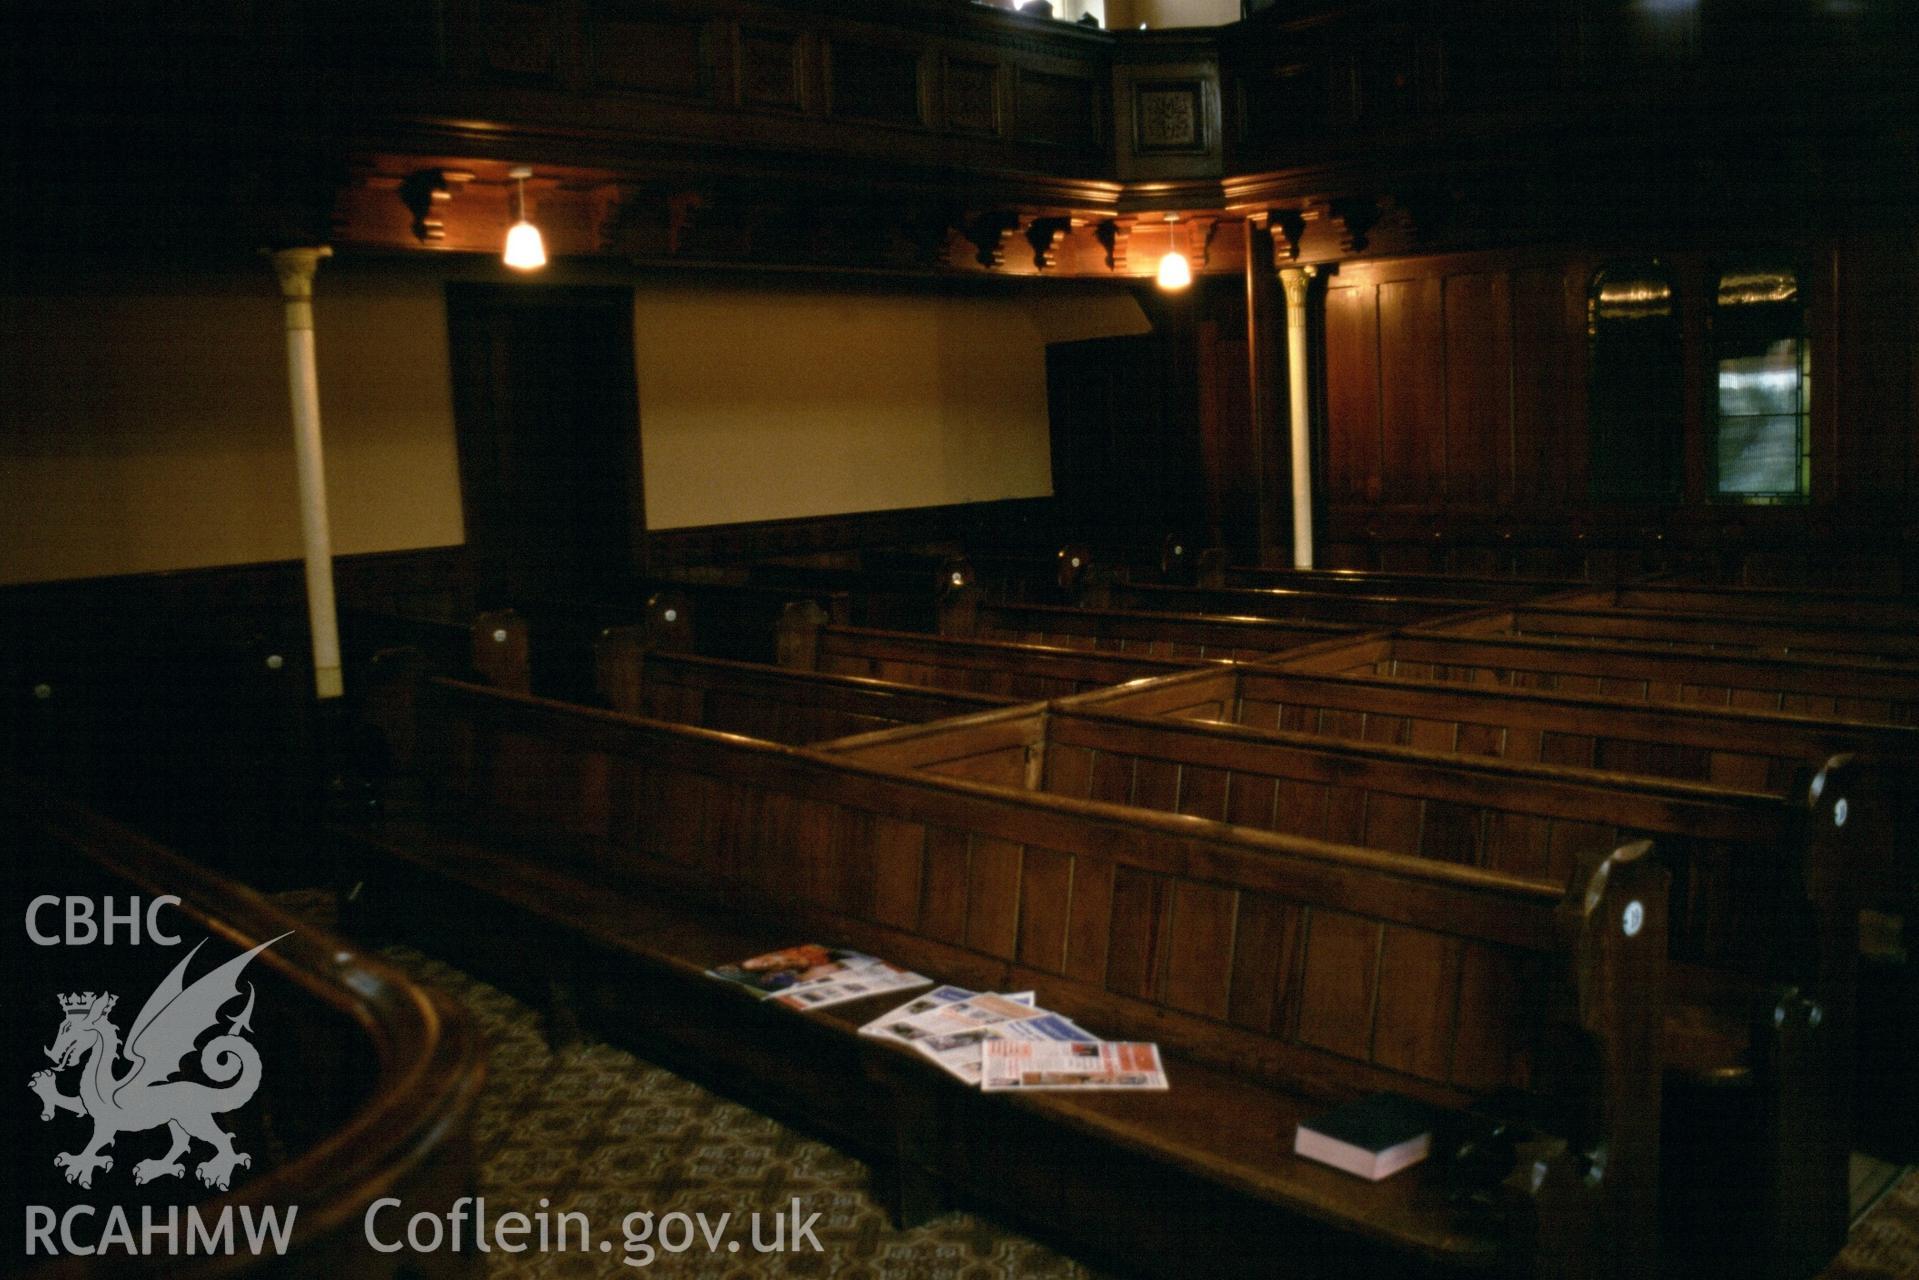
(673,934)
(661,850)
(1763,911)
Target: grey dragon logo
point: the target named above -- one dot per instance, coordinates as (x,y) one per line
(146,1096)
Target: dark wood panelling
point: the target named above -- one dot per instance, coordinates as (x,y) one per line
(509,41)
(1266,947)
(1353,458)
(1418,980)
(1139,905)
(943,897)
(1061,110)
(1549,385)
(1871,378)
(1336,1003)
(879,83)
(1490,1004)
(1477,328)
(1199,942)
(772,68)
(1046,887)
(633,48)
(1412,378)
(972,95)
(1169,116)
(993,892)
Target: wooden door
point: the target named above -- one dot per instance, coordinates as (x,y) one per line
(547,412)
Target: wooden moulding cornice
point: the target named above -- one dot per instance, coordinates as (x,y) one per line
(621,160)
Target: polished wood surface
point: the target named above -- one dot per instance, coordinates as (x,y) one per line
(1149,633)
(1004,668)
(1826,688)
(930,872)
(1763,636)
(778,704)
(372,1079)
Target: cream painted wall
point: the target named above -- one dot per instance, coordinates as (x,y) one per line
(1171,13)
(762,404)
(144,421)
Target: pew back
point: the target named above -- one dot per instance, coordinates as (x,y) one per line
(998,668)
(1696,633)
(775,703)
(1345,608)
(1746,863)
(1191,635)
(1821,687)
(984,870)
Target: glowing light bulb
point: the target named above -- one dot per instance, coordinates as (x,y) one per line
(1174,271)
(525,250)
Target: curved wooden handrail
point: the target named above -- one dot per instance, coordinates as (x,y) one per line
(414,1125)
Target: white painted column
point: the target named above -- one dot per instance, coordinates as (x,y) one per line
(1298,281)
(295,268)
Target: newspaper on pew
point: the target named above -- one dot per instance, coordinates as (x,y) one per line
(966,1033)
(812,977)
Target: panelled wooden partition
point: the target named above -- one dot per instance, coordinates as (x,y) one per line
(1310,968)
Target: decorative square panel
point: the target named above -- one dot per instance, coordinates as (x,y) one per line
(875,82)
(632,51)
(1062,110)
(972,96)
(514,40)
(770,69)
(1169,117)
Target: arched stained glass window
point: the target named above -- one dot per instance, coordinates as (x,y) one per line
(1635,397)
(1761,446)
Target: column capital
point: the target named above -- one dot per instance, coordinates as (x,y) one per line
(295,267)
(1297,280)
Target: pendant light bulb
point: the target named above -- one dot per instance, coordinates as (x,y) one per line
(1175,272)
(525,250)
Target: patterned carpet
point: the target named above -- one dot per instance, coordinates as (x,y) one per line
(1884,1244)
(593,1129)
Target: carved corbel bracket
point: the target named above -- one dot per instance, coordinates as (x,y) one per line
(1201,230)
(987,233)
(1115,235)
(422,191)
(1044,234)
(1289,228)
(1357,216)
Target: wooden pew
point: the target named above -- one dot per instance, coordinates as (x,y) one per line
(1278,973)
(906,595)
(1752,750)
(1130,631)
(368,1081)
(548,644)
(1820,688)
(1695,632)
(201,732)
(1018,671)
(1028,578)
(776,703)
(1765,899)
(1343,608)
(1216,571)
(1674,596)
